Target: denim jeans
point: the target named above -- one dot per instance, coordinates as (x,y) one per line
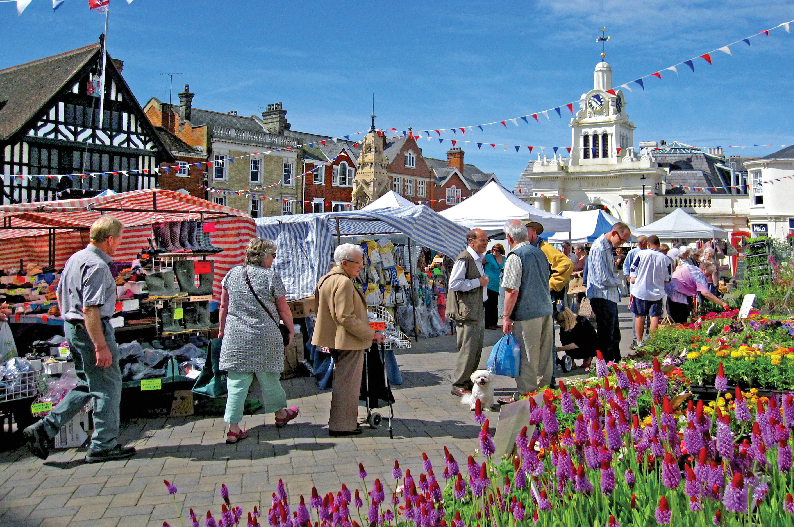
(103,385)
(606,315)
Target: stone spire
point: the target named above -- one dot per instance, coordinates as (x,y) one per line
(372,175)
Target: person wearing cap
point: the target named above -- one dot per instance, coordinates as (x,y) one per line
(603,281)
(687,281)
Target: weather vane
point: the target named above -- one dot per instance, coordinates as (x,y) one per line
(603,39)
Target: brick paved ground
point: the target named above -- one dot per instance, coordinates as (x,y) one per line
(191,453)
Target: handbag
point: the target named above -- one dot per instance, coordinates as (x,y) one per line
(505,358)
(585,309)
(281,326)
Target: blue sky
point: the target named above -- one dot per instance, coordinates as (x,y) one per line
(445,64)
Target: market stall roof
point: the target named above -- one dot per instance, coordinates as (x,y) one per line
(679,224)
(586,226)
(306,241)
(139,207)
(490,208)
(389,200)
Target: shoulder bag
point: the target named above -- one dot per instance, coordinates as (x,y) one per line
(281,326)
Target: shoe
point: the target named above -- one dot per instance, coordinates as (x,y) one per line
(117,452)
(460,392)
(292,413)
(232,438)
(506,400)
(37,440)
(345,433)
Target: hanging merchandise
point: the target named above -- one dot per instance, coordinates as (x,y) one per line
(373,296)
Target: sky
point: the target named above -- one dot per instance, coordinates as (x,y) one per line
(443,65)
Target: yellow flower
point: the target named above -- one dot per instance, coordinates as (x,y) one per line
(708,410)
(724,353)
(790,356)
(728,396)
(753,390)
(693,355)
(704,348)
(720,402)
(736,354)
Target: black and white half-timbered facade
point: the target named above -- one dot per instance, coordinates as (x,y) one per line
(53,143)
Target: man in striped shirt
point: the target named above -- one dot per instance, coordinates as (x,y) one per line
(603,282)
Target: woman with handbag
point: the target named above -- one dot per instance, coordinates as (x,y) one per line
(253,339)
(343,327)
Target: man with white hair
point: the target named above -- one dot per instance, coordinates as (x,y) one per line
(527,309)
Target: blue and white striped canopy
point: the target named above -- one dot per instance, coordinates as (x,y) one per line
(306,241)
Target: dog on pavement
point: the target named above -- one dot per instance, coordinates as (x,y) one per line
(481,390)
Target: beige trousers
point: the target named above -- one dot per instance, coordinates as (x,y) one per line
(536,337)
(348,368)
(470,335)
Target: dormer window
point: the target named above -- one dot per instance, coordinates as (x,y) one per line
(410,159)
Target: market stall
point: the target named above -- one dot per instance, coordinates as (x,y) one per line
(586,226)
(680,225)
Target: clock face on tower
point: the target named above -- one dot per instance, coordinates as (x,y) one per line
(596,102)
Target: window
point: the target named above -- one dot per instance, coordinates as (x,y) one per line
(410,160)
(318,204)
(318,174)
(595,146)
(219,200)
(398,185)
(453,195)
(604,145)
(340,206)
(255,207)
(220,167)
(757,190)
(288,171)
(255,166)
(287,207)
(343,175)
(586,146)
(409,187)
(420,188)
(183,169)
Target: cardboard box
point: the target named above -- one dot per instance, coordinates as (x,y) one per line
(74,433)
(304,307)
(293,354)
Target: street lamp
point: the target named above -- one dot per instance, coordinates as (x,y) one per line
(643,178)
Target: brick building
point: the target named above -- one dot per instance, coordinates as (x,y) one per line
(454,180)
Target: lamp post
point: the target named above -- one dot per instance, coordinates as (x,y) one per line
(643,178)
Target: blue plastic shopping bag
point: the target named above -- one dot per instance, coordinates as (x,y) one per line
(505,357)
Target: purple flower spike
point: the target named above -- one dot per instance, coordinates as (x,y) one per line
(518,511)
(671,475)
(550,424)
(788,410)
(735,496)
(721,382)
(361,472)
(486,444)
(396,472)
(166,524)
(607,478)
(210,521)
(543,502)
(225,494)
(784,456)
(694,504)
(372,514)
(663,513)
(725,437)
(426,463)
(171,488)
(580,483)
(613,522)
(601,365)
(566,403)
(789,504)
(630,478)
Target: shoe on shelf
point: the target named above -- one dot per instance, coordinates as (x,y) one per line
(460,392)
(117,452)
(232,438)
(292,413)
(345,433)
(37,440)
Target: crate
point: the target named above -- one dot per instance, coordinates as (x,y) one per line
(21,386)
(303,307)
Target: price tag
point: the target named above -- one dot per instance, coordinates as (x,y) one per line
(151,384)
(19,279)
(40,407)
(208,227)
(63,351)
(378,326)
(747,305)
(202,267)
(178,313)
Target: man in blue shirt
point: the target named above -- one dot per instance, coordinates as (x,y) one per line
(642,244)
(603,282)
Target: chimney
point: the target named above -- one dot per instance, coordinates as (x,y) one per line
(275,119)
(455,158)
(185,104)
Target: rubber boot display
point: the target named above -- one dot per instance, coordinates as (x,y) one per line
(171,289)
(207,242)
(203,315)
(184,240)
(174,229)
(155,284)
(169,324)
(205,280)
(162,237)
(191,236)
(186,276)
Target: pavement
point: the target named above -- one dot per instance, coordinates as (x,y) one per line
(191,453)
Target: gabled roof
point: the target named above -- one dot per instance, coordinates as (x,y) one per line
(177,146)
(393,147)
(786,153)
(472,177)
(199,117)
(26,88)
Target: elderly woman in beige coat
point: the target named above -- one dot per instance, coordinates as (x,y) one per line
(343,327)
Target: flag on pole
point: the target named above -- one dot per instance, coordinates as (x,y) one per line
(56,4)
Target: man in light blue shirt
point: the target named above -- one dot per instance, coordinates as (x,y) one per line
(650,270)
(642,244)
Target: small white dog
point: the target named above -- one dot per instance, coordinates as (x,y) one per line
(482,390)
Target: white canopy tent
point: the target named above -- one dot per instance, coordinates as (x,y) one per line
(586,226)
(680,225)
(494,205)
(389,200)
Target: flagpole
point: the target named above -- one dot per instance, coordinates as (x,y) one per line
(104,67)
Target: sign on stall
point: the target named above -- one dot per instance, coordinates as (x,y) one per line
(747,305)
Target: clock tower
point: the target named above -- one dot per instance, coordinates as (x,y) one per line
(601,131)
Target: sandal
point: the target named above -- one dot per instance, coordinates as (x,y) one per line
(232,438)
(292,413)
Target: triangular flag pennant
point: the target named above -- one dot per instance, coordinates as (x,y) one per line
(462,130)
(706,57)
(568,148)
(555,149)
(725,49)
(427,132)
(690,64)
(440,140)
(673,68)
(22,4)
(515,121)
(439,133)
(619,149)
(626,86)
(530,149)
(535,116)
(322,143)
(56,4)
(611,92)
(524,117)
(764,31)
(546,113)
(453,142)
(786,26)
(347,137)
(503,124)
(479,145)
(746,41)
(454,131)
(518,147)
(639,81)
(493,145)
(504,147)
(657,74)
(557,109)
(480,127)
(570,107)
